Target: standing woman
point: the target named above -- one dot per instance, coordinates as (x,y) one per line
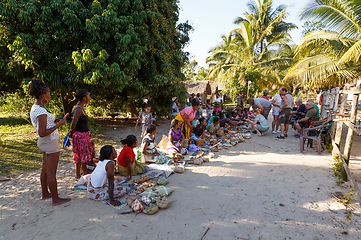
(186,116)
(217,103)
(80,132)
(46,127)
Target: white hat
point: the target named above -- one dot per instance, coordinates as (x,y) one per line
(174,98)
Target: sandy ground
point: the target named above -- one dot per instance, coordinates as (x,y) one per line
(263,188)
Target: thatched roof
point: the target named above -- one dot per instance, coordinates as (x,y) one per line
(198,87)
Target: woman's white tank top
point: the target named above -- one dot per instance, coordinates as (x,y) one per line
(99,176)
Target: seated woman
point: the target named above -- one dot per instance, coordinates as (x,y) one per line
(259,122)
(198,131)
(149,150)
(101,184)
(127,165)
(175,140)
(213,127)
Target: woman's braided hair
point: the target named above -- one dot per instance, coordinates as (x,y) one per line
(37,88)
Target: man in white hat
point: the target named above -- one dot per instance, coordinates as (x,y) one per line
(175,108)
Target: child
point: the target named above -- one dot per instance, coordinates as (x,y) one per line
(212,128)
(248,114)
(215,114)
(149,150)
(260,123)
(102,184)
(209,108)
(198,131)
(147,118)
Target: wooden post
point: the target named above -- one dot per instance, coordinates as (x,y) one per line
(350,132)
(339,124)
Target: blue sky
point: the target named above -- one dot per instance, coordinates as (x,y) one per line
(213,18)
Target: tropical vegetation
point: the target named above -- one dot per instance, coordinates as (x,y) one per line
(330,54)
(121,51)
(258,51)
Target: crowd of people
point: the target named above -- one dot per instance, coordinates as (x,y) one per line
(188,124)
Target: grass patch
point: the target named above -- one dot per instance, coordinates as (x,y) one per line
(19,152)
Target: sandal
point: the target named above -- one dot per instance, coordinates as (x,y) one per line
(286,135)
(280,137)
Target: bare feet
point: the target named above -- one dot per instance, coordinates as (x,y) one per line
(60,201)
(46,196)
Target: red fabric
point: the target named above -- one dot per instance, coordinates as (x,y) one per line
(126,152)
(82,147)
(265,97)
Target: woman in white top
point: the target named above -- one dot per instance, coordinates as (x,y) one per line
(276,102)
(149,149)
(46,127)
(217,103)
(102,185)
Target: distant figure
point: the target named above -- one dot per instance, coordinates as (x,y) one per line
(241,96)
(285,111)
(209,109)
(199,98)
(175,107)
(146,117)
(276,102)
(217,103)
(265,94)
(46,127)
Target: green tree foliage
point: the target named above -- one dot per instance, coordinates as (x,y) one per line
(329,56)
(122,51)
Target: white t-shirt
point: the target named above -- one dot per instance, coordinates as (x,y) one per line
(278,100)
(99,176)
(35,112)
(175,107)
(217,99)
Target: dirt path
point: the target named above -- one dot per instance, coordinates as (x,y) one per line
(261,189)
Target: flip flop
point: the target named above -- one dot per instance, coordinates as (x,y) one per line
(280,137)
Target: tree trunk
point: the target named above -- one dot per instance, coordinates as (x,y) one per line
(67,101)
(132,109)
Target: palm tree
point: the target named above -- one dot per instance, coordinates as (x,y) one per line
(330,57)
(261,32)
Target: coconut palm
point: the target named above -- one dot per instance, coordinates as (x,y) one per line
(253,44)
(331,56)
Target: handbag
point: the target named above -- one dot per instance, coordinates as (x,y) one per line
(151,209)
(66,142)
(163,202)
(137,206)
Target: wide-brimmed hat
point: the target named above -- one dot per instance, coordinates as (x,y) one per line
(174,98)
(265,91)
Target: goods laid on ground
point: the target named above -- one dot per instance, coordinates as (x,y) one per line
(148,194)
